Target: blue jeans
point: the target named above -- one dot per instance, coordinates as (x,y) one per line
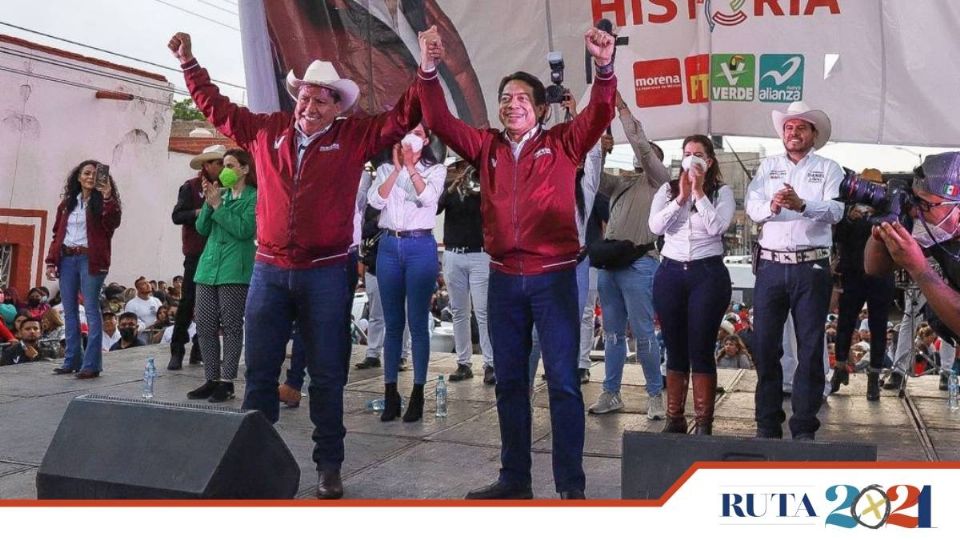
(318,299)
(627,295)
(583,286)
(75,278)
(803,290)
(515,305)
(407,274)
(298,356)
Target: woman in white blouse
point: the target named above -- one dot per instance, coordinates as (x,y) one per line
(406,192)
(691,289)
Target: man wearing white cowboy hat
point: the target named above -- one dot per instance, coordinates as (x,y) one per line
(791,197)
(309,164)
(209,163)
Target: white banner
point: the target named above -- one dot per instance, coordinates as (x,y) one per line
(881,69)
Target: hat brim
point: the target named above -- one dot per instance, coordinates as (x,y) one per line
(345,88)
(197,162)
(818,118)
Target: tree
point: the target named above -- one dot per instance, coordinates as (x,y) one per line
(186,110)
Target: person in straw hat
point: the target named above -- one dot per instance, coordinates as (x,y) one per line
(309,163)
(792,198)
(208,165)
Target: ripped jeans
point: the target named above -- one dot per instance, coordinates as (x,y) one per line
(627,295)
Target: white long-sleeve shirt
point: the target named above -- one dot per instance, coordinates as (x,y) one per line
(689,235)
(403,209)
(592,169)
(77,225)
(816,181)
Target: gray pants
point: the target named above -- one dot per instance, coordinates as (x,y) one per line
(466,276)
(376,328)
(912,317)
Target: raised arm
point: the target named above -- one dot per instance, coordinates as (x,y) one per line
(581,133)
(657,173)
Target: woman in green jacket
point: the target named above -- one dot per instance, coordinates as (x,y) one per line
(228,221)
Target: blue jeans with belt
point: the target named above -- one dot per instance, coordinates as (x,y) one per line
(515,304)
(75,278)
(804,290)
(318,299)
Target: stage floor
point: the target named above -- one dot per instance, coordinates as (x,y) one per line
(445,458)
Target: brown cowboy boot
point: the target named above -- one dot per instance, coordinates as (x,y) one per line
(677,382)
(704,398)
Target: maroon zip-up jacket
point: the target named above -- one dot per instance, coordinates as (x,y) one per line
(189,200)
(99,234)
(528,204)
(305,214)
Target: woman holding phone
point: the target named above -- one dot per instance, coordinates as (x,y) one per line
(79,256)
(691,289)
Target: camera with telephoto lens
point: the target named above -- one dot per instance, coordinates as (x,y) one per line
(891,201)
(556,92)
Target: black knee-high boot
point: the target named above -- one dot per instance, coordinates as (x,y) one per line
(415,407)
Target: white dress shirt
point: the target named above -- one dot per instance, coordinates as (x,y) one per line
(592,167)
(404,209)
(77,225)
(817,182)
(690,235)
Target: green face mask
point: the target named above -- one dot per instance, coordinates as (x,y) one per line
(228,178)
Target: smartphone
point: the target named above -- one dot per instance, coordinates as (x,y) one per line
(102,175)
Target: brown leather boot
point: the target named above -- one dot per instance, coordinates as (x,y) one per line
(704,399)
(677,382)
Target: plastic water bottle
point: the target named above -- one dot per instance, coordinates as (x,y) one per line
(377,405)
(952,388)
(149,377)
(441,397)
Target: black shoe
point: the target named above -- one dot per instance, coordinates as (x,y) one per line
(500,490)
(463,372)
(840,376)
(368,363)
(873,386)
(329,485)
(414,410)
(87,374)
(573,494)
(222,392)
(894,381)
(584,375)
(64,371)
(176,362)
(489,375)
(204,392)
(391,403)
(804,436)
(944,382)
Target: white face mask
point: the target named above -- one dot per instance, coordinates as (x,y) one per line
(928,234)
(690,161)
(413,141)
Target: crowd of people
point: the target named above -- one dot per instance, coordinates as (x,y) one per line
(539,240)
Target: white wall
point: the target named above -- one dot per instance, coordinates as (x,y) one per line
(48,127)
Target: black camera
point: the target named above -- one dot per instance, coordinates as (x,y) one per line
(556,92)
(892,201)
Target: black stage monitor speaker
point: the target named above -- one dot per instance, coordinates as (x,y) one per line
(652,462)
(114,448)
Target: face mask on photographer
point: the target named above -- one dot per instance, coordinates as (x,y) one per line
(928,234)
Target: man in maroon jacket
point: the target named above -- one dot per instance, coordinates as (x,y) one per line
(208,165)
(527,178)
(308,172)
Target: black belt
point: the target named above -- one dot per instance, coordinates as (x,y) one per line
(74,250)
(716,259)
(416,233)
(463,249)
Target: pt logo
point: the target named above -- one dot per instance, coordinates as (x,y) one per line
(697,69)
(734,18)
(781,78)
(732,77)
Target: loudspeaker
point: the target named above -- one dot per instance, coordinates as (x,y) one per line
(115,448)
(652,462)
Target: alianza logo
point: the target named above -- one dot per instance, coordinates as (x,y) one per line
(781,78)
(841,505)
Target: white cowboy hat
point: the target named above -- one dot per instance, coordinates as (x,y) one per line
(209,153)
(323,74)
(801,110)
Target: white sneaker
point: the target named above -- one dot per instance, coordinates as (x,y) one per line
(655,410)
(606,403)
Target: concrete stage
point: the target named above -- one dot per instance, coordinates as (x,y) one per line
(444,458)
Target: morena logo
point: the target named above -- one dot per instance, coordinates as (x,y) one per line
(732,12)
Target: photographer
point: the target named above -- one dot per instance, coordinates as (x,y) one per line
(851,238)
(936,233)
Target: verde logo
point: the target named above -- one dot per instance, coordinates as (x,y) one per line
(732,77)
(781,78)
